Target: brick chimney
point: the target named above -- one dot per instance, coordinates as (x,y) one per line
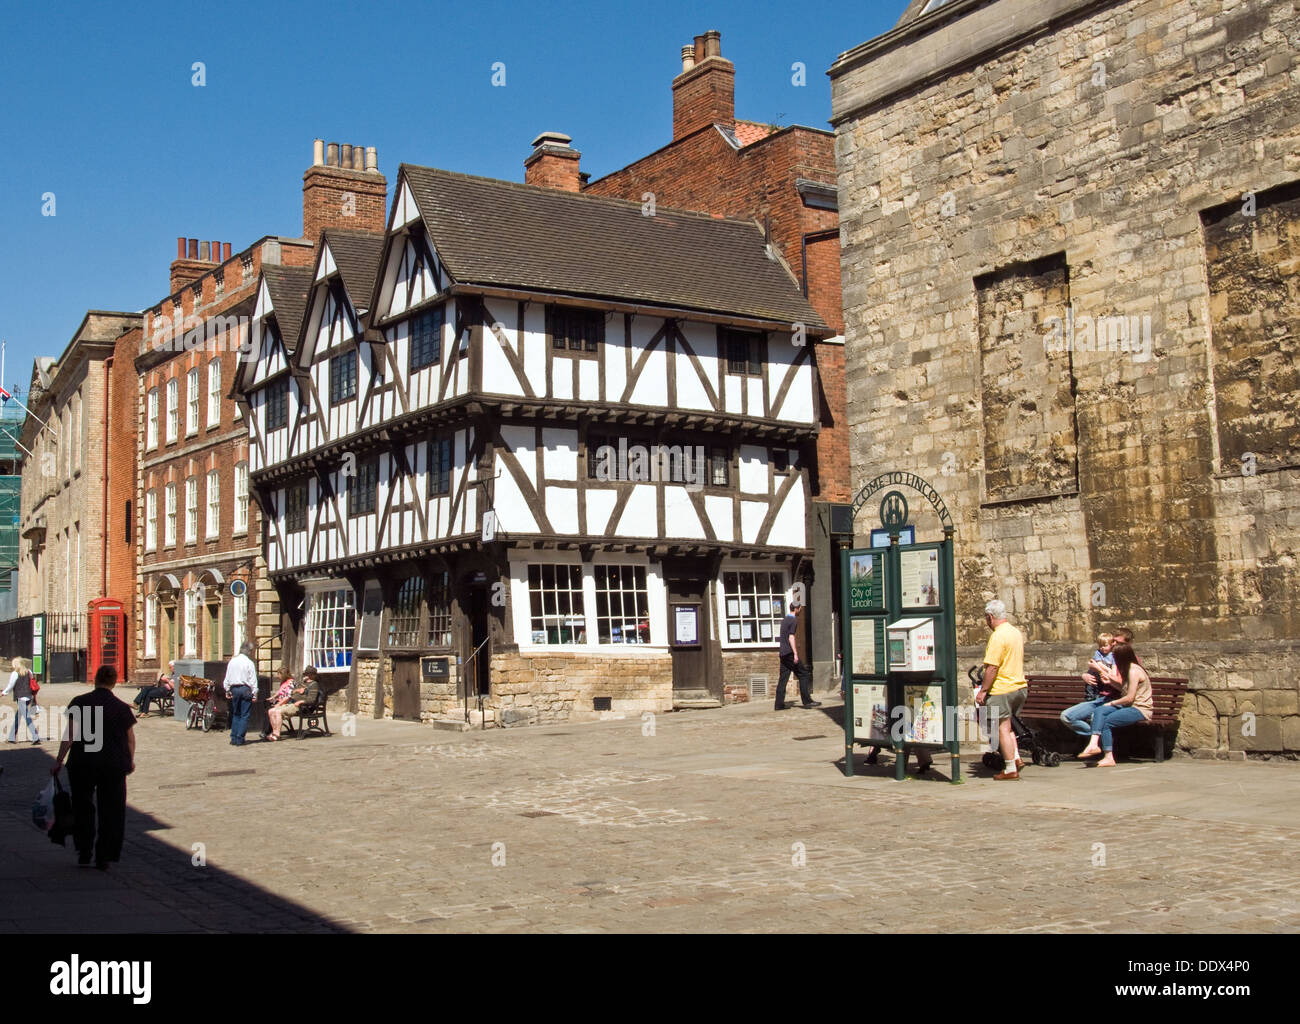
(705,92)
(343,189)
(194,258)
(553,163)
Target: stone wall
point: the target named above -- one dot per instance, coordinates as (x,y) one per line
(1153,148)
(536,688)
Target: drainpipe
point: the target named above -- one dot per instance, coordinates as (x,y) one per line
(103,521)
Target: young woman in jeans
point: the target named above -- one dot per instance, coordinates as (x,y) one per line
(1135,706)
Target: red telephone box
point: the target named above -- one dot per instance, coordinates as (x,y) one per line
(107,640)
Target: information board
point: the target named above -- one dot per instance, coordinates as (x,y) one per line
(869,646)
(918,578)
(866,581)
(871,713)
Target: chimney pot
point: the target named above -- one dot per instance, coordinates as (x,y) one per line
(203,251)
(345,155)
(358,158)
(552,139)
(216,252)
(372,159)
(180,248)
(225,252)
(332,155)
(688,57)
(194,248)
(317,152)
(707,94)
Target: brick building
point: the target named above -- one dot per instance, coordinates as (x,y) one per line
(784,178)
(1071,235)
(198,531)
(77,482)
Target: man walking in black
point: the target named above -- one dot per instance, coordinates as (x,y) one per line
(791,662)
(99,745)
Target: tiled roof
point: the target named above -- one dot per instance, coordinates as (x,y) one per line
(357,255)
(288,287)
(748,132)
(500,233)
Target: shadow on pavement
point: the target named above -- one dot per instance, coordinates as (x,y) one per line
(155,888)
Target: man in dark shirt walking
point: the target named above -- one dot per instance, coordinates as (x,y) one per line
(99,745)
(791,662)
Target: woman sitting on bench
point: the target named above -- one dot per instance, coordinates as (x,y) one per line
(1133,707)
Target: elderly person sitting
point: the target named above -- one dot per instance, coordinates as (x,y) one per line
(305,693)
(164,686)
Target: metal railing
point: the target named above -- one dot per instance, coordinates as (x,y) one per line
(465,678)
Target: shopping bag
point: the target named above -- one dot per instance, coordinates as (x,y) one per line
(64,821)
(43,808)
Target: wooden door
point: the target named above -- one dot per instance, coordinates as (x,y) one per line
(697,669)
(406,689)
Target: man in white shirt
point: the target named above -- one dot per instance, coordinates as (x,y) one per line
(241,689)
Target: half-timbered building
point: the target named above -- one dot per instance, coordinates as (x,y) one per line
(536,453)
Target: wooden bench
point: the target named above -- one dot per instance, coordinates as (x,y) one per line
(1049,695)
(313,715)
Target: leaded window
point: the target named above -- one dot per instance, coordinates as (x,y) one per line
(439,604)
(426,337)
(295,508)
(364,488)
(719,463)
(404,618)
(743,351)
(440,465)
(343,377)
(579,330)
(277,404)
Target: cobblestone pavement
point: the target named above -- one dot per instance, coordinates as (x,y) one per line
(735,819)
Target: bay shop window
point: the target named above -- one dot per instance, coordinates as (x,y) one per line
(594,605)
(331,624)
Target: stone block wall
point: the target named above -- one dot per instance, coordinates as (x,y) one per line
(1154,147)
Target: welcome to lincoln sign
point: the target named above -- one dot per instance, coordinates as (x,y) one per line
(894,696)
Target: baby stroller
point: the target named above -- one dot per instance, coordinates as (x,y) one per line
(1026,738)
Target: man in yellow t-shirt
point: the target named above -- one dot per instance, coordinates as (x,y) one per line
(1004,689)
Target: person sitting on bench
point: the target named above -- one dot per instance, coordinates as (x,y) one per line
(164,687)
(305,693)
(1134,706)
(1097,689)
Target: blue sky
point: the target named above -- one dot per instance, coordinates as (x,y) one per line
(98,108)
